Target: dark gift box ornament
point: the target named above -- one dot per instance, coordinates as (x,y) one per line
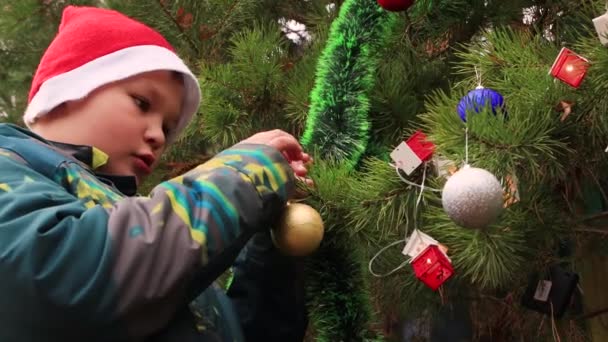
(552,292)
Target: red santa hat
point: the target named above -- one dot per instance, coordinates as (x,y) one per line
(96,46)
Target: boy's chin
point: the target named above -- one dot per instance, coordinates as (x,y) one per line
(139,179)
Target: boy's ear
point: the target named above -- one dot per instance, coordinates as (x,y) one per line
(56,112)
(60,110)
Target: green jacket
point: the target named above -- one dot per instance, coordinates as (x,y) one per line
(82,261)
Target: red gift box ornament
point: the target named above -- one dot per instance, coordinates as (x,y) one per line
(570,68)
(413,152)
(432,267)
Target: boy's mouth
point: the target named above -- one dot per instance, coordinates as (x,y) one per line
(144,162)
(148,158)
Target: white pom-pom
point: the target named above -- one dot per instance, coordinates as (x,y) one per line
(472,197)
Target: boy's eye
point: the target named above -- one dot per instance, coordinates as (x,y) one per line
(169,127)
(166,130)
(141,102)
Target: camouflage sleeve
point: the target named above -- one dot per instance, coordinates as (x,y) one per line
(187,221)
(151,247)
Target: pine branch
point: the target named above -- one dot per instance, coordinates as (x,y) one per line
(593,314)
(168,14)
(226,16)
(594,217)
(603,231)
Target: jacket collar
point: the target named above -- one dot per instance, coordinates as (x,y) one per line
(91,157)
(95,158)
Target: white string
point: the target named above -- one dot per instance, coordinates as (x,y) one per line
(580,288)
(378,254)
(421,187)
(466,145)
(478,77)
(407,227)
(441,295)
(418,200)
(407,224)
(554,330)
(419,197)
(410,182)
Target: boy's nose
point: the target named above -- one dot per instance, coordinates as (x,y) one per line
(155,136)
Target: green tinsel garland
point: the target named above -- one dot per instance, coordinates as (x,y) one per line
(337,125)
(337,129)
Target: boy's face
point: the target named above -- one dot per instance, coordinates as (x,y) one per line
(129,120)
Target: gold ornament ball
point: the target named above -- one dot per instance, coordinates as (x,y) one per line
(299,231)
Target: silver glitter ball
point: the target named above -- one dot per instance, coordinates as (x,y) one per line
(472,197)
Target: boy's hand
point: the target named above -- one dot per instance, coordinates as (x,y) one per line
(287,145)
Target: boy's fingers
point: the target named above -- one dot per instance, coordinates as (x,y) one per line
(309,182)
(299,168)
(306,158)
(285,143)
(288,145)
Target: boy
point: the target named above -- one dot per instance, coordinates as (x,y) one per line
(80,260)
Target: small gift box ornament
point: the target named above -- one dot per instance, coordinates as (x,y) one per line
(410,154)
(418,242)
(601,27)
(569,68)
(429,259)
(432,267)
(551,293)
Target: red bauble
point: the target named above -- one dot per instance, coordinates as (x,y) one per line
(432,267)
(396,5)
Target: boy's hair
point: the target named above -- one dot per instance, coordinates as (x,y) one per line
(96,46)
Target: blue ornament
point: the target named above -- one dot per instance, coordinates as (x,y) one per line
(477,99)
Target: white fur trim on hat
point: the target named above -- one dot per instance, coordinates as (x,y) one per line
(79,82)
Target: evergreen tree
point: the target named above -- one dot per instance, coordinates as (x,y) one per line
(356,82)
